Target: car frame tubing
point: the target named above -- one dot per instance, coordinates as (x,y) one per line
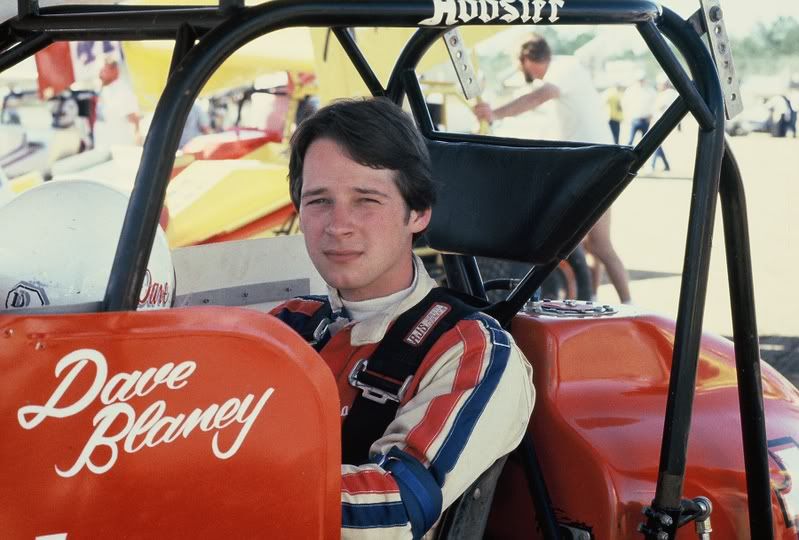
(158,156)
(23,49)
(747,350)
(659,131)
(358,60)
(115,22)
(707,169)
(238,28)
(671,66)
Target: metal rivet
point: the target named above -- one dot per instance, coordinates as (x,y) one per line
(477,493)
(39,346)
(716,14)
(206,301)
(9,332)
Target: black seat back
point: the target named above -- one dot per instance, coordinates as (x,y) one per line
(531,204)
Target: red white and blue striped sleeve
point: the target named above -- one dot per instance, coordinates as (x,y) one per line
(297,311)
(471,400)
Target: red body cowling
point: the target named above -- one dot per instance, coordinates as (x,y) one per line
(602,387)
(142,480)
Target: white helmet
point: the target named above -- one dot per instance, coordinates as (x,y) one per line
(58,243)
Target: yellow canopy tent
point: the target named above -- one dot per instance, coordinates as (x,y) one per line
(296,49)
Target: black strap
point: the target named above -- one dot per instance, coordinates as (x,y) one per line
(394,363)
(308,332)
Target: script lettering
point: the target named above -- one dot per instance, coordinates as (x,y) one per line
(80,359)
(118,425)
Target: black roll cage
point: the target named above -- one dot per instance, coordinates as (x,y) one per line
(222,30)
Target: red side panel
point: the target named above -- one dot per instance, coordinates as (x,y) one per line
(184,423)
(602,386)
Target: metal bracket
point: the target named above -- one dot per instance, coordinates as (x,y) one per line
(709,19)
(462,62)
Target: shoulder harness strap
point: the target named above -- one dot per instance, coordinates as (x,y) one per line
(385,377)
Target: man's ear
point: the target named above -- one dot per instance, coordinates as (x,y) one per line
(420,219)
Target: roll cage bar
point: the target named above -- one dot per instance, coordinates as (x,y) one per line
(206,36)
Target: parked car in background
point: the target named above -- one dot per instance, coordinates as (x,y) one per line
(775,115)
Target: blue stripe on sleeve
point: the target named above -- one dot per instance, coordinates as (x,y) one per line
(294,319)
(467,416)
(419,490)
(373,515)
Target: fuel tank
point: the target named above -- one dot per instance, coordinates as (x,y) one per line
(602,383)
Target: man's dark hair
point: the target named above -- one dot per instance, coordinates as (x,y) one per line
(536,49)
(376,133)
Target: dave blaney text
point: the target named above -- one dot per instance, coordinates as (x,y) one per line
(149,428)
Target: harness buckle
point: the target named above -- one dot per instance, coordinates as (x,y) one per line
(319,333)
(372,393)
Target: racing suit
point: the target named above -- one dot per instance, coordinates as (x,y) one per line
(467,406)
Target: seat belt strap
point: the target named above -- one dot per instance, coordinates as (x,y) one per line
(385,376)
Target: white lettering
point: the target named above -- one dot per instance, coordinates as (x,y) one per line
(525,11)
(468,10)
(511,13)
(487,16)
(554,5)
(246,420)
(149,428)
(451,12)
(442,9)
(538,5)
(102,421)
(80,358)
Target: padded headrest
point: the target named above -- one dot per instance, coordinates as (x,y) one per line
(531,204)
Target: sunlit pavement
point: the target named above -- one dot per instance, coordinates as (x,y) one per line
(649,230)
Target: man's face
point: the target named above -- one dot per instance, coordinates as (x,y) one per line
(109,73)
(528,67)
(358,230)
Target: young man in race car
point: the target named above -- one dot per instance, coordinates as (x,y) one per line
(360,177)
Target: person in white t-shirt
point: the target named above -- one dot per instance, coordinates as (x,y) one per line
(639,102)
(581,115)
(117,110)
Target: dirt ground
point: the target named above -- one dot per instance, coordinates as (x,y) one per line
(649,230)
